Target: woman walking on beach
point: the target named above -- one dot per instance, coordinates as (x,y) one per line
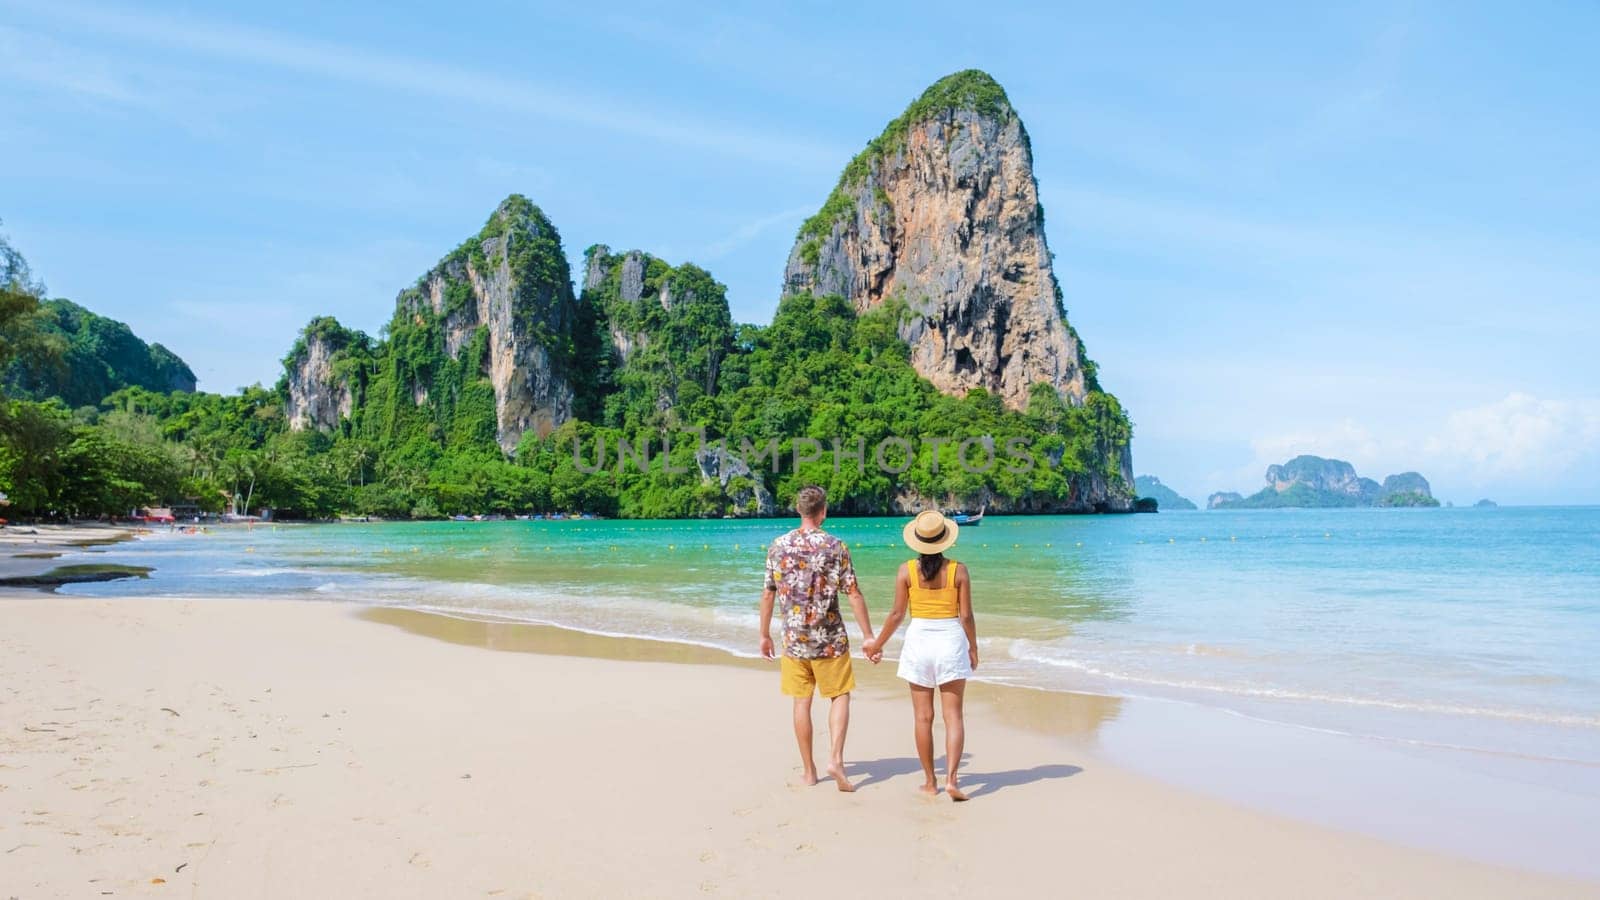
(941,646)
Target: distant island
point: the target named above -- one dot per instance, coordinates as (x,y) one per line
(1485,503)
(1312,481)
(1165,497)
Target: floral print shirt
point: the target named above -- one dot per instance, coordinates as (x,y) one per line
(808,568)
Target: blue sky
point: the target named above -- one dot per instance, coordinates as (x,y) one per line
(1368,232)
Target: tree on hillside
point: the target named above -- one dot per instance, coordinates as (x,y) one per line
(20,293)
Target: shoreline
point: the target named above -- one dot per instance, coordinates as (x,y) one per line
(1234,757)
(303,750)
(28,551)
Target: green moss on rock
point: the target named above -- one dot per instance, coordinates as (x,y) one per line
(971,89)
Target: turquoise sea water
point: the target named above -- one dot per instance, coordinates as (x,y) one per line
(1472,631)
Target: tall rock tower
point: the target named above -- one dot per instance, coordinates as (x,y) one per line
(512,285)
(942,212)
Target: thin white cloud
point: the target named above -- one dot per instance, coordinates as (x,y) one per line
(749,231)
(420,77)
(31,59)
(1410,270)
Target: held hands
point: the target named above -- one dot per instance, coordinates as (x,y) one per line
(767,651)
(872,649)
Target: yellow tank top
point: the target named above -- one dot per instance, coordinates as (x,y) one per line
(934,602)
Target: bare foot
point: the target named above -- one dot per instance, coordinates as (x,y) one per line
(837,771)
(808,777)
(930,789)
(955,793)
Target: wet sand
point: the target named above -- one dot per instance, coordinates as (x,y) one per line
(270,748)
(31,550)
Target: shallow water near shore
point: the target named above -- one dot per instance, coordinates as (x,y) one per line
(1460,635)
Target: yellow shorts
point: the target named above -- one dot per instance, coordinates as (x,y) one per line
(831,676)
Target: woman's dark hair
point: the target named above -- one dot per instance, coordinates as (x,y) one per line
(928,567)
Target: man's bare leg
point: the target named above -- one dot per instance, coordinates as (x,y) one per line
(955,733)
(922,729)
(838,724)
(802,736)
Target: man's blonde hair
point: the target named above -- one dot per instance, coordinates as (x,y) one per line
(811,501)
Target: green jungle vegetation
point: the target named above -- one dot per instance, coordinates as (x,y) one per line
(817,371)
(92,356)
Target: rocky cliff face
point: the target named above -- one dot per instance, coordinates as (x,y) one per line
(1317,482)
(1222,499)
(942,213)
(669,327)
(745,493)
(1334,476)
(319,396)
(1406,489)
(512,282)
(1407,483)
(627,271)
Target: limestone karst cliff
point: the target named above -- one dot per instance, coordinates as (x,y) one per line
(940,216)
(942,212)
(511,285)
(668,327)
(483,341)
(1313,481)
(492,373)
(320,389)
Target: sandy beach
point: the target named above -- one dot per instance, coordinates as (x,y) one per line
(28,550)
(270,749)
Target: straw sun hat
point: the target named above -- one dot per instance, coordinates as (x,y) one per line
(930,532)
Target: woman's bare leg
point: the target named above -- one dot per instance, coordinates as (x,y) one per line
(922,728)
(955,733)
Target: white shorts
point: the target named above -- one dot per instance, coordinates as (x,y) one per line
(935,652)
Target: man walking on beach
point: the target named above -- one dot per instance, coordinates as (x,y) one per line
(806,570)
